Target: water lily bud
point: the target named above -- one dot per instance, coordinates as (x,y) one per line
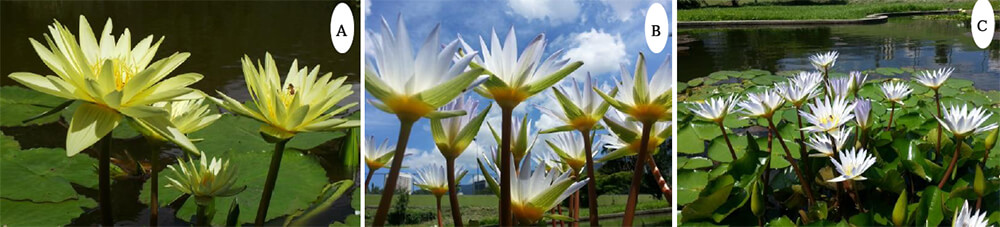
(899,212)
(991,139)
(979,184)
(756,203)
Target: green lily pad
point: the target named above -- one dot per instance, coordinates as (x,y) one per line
(242,134)
(7,143)
(300,181)
(958,83)
(888,71)
(709,199)
(694,162)
(696,81)
(27,213)
(689,184)
(723,75)
(718,150)
(692,144)
(44,174)
(767,80)
(706,130)
(20,104)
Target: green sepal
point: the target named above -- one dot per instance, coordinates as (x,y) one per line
(640,90)
(611,100)
(548,81)
(489,179)
(445,114)
(569,108)
(274,135)
(558,129)
(447,91)
(469,131)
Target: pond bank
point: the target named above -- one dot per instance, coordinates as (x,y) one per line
(877,18)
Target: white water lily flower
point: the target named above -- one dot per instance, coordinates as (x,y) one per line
(862,113)
(303,103)
(645,99)
(581,107)
(413,86)
(626,135)
(968,217)
(534,192)
(853,162)
(190,115)
(205,180)
(378,155)
(840,87)
(515,77)
(714,109)
(801,88)
(896,91)
(551,161)
(434,179)
(761,104)
(821,142)
(824,61)
(453,135)
(828,115)
(522,140)
(934,78)
(113,79)
(962,121)
(569,147)
(857,80)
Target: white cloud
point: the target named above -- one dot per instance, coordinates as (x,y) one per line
(601,52)
(622,9)
(556,11)
(368,7)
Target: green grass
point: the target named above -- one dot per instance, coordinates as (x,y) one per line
(484,207)
(853,10)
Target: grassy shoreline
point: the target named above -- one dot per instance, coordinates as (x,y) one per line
(809,12)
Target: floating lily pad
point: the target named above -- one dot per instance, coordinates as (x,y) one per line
(723,75)
(706,130)
(20,104)
(767,80)
(692,144)
(242,134)
(27,213)
(888,71)
(44,174)
(696,81)
(958,83)
(694,162)
(7,143)
(300,181)
(719,151)
(689,184)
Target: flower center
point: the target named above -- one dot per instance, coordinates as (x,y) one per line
(525,213)
(122,70)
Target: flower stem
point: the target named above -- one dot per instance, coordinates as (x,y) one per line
(937,100)
(954,159)
(576,206)
(633,193)
(405,126)
(795,165)
(104,181)
(726,137)
(506,217)
(272,177)
(202,218)
(592,183)
(892,111)
(371,172)
(456,213)
(440,221)
(154,183)
(659,178)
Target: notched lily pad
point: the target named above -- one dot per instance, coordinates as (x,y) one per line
(20,104)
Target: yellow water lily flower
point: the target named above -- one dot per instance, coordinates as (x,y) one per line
(204,180)
(302,103)
(190,115)
(114,80)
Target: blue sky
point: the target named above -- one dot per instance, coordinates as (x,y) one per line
(603,34)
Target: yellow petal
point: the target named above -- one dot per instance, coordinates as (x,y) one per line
(90,122)
(41,84)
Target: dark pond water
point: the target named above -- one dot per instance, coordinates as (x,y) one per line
(216,33)
(902,42)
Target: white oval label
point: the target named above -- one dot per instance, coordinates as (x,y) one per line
(982,23)
(657,28)
(342,28)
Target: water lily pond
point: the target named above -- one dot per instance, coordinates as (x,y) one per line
(41,186)
(773,182)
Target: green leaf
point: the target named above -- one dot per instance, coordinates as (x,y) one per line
(888,71)
(689,184)
(20,104)
(696,81)
(719,151)
(767,80)
(320,213)
(706,130)
(44,174)
(692,144)
(781,221)
(240,133)
(694,162)
(27,213)
(709,200)
(301,180)
(7,143)
(931,209)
